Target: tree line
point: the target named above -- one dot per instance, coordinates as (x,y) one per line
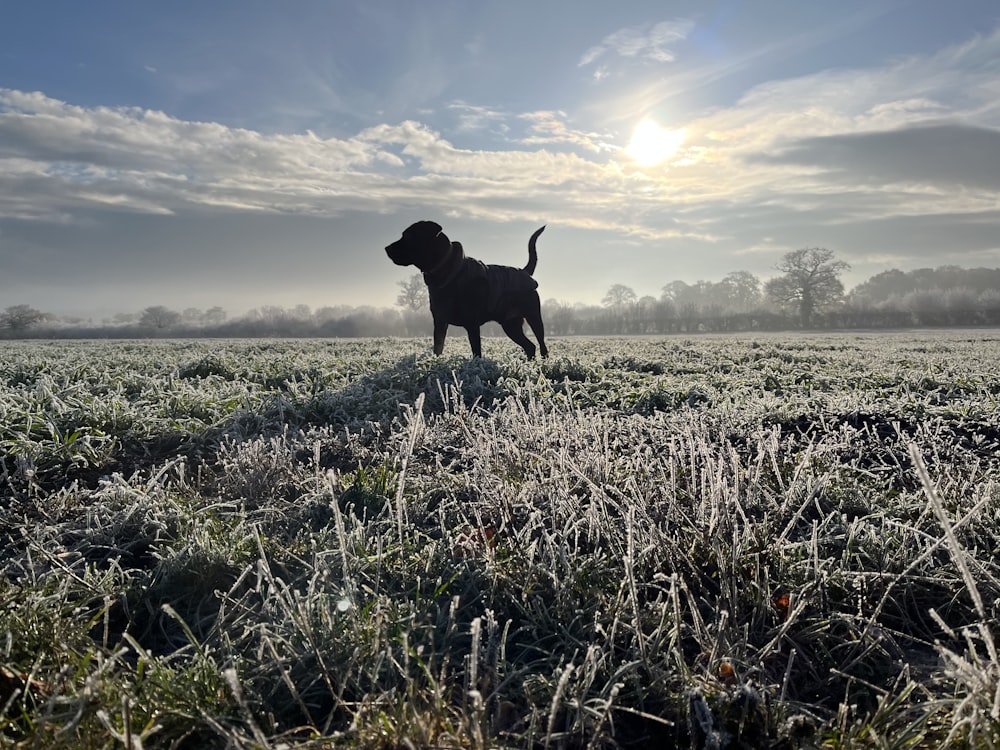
(807,294)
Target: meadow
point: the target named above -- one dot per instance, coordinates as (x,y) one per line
(717,542)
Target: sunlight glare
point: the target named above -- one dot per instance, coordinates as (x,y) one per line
(652,144)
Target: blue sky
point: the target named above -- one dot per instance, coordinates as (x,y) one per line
(262,153)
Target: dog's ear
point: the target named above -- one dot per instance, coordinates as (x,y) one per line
(424,231)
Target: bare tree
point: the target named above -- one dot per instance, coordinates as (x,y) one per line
(159,317)
(686,303)
(414,300)
(215,316)
(810,281)
(413,295)
(647,308)
(558,317)
(19,318)
(742,291)
(621,302)
(619,296)
(192,316)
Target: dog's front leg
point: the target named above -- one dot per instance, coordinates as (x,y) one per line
(475,341)
(440,331)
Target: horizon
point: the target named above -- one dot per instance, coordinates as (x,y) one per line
(243,155)
(301,311)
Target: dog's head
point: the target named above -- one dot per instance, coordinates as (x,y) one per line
(423,245)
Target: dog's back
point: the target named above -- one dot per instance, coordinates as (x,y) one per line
(506,283)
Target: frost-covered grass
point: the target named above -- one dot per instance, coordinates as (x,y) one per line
(772,541)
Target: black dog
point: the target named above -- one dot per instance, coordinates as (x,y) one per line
(466,292)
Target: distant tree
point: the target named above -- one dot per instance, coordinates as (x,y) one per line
(810,281)
(326,314)
(928,306)
(19,318)
(950,277)
(991,306)
(666,314)
(558,317)
(619,296)
(271,313)
(674,291)
(923,278)
(963,305)
(686,302)
(124,319)
(742,291)
(159,317)
(647,308)
(215,316)
(412,295)
(192,316)
(621,304)
(886,287)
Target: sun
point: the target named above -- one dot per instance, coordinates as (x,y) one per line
(652,144)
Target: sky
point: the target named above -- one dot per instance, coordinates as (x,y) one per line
(249,153)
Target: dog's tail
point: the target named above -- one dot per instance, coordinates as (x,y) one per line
(532,253)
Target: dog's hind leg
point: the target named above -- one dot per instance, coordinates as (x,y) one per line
(533,314)
(538,328)
(514,328)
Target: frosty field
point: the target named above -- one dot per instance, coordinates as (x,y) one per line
(759,541)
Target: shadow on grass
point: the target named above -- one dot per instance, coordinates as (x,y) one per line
(47,461)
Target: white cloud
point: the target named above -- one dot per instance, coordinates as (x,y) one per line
(769,166)
(600,73)
(550,127)
(162,161)
(647,42)
(473,117)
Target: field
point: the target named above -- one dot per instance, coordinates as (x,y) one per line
(772,541)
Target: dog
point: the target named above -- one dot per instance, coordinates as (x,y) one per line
(466,292)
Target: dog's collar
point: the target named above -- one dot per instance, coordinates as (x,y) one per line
(455,256)
(445,259)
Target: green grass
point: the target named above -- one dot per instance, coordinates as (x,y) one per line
(774,541)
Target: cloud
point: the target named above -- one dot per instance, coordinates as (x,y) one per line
(886,141)
(861,161)
(473,117)
(47,130)
(65,156)
(652,42)
(544,128)
(549,127)
(933,153)
(62,163)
